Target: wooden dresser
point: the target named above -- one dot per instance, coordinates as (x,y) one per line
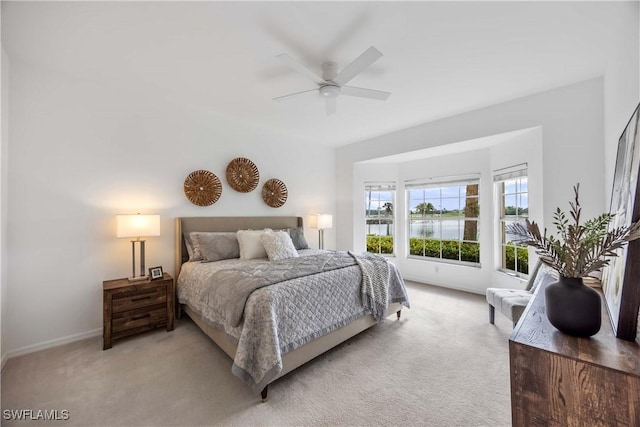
(560,380)
(133,307)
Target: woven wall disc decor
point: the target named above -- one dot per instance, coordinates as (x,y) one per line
(274,193)
(202,188)
(242,175)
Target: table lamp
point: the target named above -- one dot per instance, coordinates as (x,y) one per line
(138,226)
(323,222)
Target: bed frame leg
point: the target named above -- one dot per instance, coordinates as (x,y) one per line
(179,311)
(398,314)
(264,392)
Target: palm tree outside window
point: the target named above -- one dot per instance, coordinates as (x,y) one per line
(380,217)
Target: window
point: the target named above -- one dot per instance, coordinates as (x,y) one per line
(512,190)
(443,219)
(379,217)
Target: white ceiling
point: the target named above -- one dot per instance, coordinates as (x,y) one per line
(218,58)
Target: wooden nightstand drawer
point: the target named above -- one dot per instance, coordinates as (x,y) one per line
(154,315)
(130,308)
(139,298)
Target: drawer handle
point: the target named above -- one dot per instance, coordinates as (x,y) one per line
(140,299)
(141,316)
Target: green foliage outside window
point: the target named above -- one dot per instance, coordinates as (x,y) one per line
(510,251)
(379,244)
(451,249)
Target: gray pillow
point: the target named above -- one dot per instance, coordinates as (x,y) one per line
(189,245)
(214,246)
(297,236)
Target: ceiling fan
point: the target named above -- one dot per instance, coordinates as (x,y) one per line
(333,83)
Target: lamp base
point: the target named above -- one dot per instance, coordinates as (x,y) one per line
(138,278)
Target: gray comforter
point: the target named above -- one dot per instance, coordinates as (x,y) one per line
(284,315)
(229,288)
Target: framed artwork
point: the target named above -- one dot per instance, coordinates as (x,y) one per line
(155,273)
(621,279)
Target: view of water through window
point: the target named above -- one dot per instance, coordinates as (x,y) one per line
(448,229)
(451,229)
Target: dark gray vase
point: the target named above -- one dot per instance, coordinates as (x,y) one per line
(572,307)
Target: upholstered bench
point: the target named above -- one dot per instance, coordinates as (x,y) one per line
(512,302)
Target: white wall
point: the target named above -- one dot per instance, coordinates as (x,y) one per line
(580,125)
(621,82)
(571,122)
(80,154)
(479,157)
(524,148)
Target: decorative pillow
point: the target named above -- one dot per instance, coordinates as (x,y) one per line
(278,245)
(297,236)
(189,245)
(250,244)
(214,246)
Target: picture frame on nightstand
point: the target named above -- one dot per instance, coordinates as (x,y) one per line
(155,273)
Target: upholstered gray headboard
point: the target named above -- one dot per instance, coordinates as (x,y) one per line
(225,223)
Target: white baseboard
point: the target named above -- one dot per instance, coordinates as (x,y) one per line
(51,343)
(441,285)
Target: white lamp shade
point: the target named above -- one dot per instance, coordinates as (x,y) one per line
(138,225)
(324,221)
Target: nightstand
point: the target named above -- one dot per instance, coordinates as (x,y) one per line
(133,307)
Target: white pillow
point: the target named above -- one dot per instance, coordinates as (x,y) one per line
(278,245)
(250,244)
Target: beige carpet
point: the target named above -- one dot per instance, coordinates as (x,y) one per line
(443,364)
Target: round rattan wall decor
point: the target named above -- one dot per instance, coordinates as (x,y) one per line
(202,188)
(274,193)
(242,175)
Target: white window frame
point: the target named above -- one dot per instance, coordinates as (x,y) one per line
(382,186)
(441,182)
(501,176)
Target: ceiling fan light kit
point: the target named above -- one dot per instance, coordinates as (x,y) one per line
(330,91)
(332,84)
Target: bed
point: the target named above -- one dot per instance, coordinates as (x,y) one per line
(289,322)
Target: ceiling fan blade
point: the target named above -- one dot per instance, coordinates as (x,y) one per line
(364,93)
(300,68)
(280,98)
(369,56)
(330,105)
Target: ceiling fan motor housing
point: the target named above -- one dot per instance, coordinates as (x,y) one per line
(330,91)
